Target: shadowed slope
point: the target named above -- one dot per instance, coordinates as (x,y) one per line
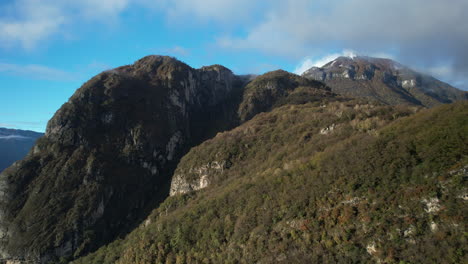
(349,182)
(108,154)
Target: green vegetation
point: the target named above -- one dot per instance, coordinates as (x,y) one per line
(347,182)
(306,176)
(278,88)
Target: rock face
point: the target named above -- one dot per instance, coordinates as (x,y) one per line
(384,80)
(385,185)
(114,151)
(15,144)
(264,93)
(108,154)
(195,178)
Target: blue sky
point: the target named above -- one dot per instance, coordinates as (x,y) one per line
(48,48)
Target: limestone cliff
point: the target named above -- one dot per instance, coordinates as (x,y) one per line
(107,156)
(264,93)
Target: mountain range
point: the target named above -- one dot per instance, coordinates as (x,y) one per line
(158,162)
(15,144)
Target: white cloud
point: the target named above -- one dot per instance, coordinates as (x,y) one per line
(29,22)
(260,68)
(100,9)
(309,23)
(442,71)
(28,33)
(448,73)
(34,71)
(416,31)
(308,62)
(383,55)
(224,11)
(98,66)
(278,34)
(177,51)
(38,126)
(13,137)
(7,125)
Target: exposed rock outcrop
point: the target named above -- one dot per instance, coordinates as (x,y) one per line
(263,94)
(130,137)
(108,154)
(195,178)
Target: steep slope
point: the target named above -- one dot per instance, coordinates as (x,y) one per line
(277,88)
(108,154)
(264,93)
(15,144)
(345,182)
(384,80)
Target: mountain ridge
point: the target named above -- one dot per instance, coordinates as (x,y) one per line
(109,152)
(116,150)
(15,144)
(348,182)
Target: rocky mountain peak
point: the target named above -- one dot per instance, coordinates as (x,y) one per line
(108,154)
(153,62)
(384,80)
(356,68)
(217,68)
(278,87)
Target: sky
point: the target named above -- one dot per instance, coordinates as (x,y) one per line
(49,48)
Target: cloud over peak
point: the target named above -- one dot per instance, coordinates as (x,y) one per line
(308,63)
(40,72)
(425,33)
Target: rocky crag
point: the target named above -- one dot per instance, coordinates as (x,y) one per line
(108,154)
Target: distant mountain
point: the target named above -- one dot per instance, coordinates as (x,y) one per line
(15,144)
(385,80)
